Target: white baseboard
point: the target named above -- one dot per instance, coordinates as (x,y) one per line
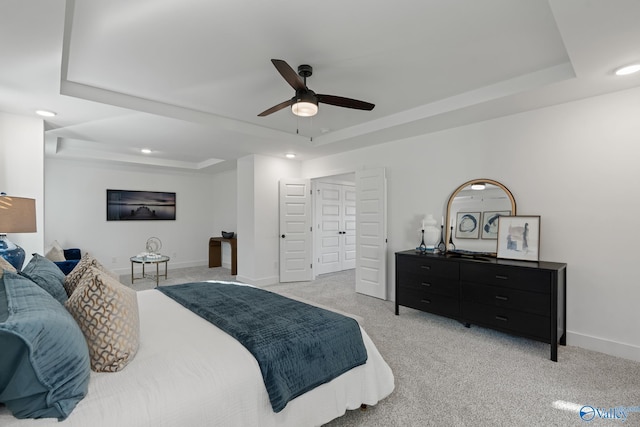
(613,348)
(258,282)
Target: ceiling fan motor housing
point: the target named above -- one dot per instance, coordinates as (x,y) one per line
(305,71)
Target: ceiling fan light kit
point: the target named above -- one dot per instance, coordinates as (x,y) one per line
(305,105)
(305,102)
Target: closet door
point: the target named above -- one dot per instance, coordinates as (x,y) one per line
(348,238)
(328,228)
(335,227)
(371,235)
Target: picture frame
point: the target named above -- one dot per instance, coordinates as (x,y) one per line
(467,225)
(489,230)
(519,237)
(132,205)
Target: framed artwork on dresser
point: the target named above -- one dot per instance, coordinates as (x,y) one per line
(519,237)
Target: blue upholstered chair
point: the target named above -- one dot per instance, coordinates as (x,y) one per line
(72,257)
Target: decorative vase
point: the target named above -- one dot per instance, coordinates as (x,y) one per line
(431,232)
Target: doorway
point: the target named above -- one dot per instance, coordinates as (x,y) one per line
(298,227)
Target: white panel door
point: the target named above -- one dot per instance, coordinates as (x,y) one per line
(371,233)
(295,230)
(348,227)
(328,228)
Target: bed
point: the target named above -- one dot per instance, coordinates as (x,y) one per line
(188,372)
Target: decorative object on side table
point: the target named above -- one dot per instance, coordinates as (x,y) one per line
(17,215)
(519,237)
(228,234)
(153,247)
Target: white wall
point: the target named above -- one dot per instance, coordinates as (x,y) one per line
(76,212)
(224,190)
(258,216)
(573,164)
(21,171)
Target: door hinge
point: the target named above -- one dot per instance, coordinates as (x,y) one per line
(310,265)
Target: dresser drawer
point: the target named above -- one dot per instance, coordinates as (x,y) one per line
(428,267)
(526,324)
(526,279)
(514,299)
(425,301)
(436,285)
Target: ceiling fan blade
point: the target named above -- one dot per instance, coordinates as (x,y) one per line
(340,101)
(289,75)
(275,108)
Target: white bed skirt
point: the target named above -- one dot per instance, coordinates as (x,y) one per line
(189,373)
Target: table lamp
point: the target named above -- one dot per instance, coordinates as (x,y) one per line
(17,215)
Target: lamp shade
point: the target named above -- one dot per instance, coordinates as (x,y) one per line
(17,215)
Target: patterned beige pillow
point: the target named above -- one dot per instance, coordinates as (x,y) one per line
(107,313)
(74,276)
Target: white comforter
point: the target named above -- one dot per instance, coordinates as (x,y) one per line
(189,373)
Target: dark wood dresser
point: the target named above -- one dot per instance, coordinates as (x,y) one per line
(518,297)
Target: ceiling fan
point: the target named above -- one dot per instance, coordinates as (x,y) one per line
(305,102)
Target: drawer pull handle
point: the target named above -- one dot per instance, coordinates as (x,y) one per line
(499,276)
(426,267)
(502,298)
(426,301)
(502,318)
(426,284)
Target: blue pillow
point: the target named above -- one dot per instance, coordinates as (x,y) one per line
(44,361)
(47,275)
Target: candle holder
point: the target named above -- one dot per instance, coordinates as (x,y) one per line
(423,246)
(452,246)
(441,246)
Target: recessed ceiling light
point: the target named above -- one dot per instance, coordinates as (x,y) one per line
(628,69)
(290,156)
(145,151)
(45,113)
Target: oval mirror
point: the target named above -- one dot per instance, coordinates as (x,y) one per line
(472,215)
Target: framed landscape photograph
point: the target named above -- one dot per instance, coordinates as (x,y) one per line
(129,205)
(489,228)
(519,237)
(467,225)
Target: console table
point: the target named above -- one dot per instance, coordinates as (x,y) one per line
(518,297)
(215,253)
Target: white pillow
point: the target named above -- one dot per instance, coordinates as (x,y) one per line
(55,253)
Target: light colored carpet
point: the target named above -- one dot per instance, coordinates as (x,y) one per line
(449,375)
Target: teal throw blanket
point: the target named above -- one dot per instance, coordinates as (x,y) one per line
(298,346)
